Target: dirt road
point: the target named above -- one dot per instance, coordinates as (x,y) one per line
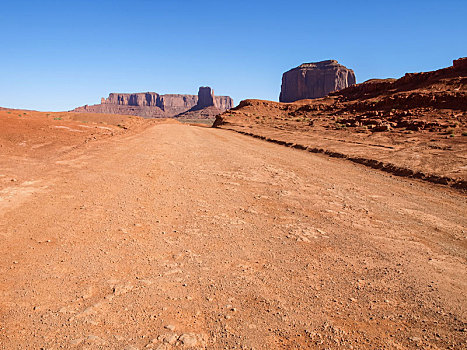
(187,237)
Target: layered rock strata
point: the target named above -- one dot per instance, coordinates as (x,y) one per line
(154,105)
(314,80)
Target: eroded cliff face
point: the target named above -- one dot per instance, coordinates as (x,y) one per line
(206,99)
(223,102)
(154,105)
(314,80)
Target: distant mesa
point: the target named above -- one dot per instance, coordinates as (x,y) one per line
(153,105)
(314,80)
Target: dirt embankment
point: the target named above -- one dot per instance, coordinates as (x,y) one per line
(43,134)
(415,126)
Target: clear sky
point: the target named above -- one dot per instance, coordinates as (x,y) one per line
(57,55)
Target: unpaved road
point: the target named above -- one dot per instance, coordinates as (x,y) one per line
(179,237)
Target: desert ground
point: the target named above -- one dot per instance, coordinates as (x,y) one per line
(123,233)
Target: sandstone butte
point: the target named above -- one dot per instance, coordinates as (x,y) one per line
(314,80)
(154,105)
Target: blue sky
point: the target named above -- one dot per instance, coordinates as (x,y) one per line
(56,55)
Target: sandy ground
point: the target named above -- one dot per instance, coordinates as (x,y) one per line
(175,236)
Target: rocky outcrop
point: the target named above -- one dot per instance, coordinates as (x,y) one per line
(442,88)
(223,102)
(153,105)
(314,80)
(205,97)
(208,105)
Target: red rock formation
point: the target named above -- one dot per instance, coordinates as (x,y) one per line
(314,80)
(434,102)
(153,105)
(460,63)
(205,97)
(442,88)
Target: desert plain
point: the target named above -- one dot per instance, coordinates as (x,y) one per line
(120,232)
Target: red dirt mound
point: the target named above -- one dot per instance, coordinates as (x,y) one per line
(42,134)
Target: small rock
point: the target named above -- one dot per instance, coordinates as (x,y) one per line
(170,327)
(167,338)
(188,339)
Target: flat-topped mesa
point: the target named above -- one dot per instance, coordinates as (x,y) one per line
(154,105)
(139,99)
(314,80)
(170,103)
